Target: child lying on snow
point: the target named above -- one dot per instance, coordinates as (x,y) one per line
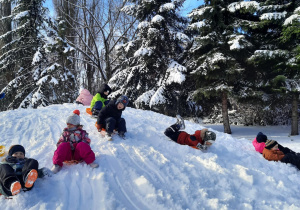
(259,144)
(17,171)
(201,139)
(271,152)
(73,144)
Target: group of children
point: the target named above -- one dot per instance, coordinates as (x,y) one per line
(18,172)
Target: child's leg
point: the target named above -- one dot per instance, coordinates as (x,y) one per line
(110,124)
(84,152)
(121,124)
(62,153)
(29,173)
(292,158)
(7,177)
(97,107)
(172,132)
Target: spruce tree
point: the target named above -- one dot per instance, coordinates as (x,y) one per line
(149,70)
(273,59)
(217,58)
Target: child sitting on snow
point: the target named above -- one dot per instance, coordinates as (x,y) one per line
(201,139)
(259,144)
(84,98)
(73,144)
(17,171)
(110,117)
(100,99)
(271,152)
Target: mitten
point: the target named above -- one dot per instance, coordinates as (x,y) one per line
(99,126)
(201,147)
(44,172)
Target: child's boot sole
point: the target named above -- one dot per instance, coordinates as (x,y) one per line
(15,188)
(31,177)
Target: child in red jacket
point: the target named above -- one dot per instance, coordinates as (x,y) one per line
(201,139)
(73,144)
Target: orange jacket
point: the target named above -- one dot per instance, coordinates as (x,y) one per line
(275,155)
(184,138)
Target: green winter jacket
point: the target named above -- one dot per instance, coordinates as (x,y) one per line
(96,98)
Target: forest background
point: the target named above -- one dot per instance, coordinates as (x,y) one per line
(230,62)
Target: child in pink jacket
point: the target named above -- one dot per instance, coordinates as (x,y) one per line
(73,144)
(84,98)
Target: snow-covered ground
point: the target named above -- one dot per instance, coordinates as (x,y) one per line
(147,171)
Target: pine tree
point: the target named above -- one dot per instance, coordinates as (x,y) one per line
(40,61)
(273,60)
(27,18)
(217,57)
(291,39)
(149,70)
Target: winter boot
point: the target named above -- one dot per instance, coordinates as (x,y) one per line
(94,165)
(55,168)
(122,134)
(201,147)
(180,122)
(108,136)
(15,188)
(31,178)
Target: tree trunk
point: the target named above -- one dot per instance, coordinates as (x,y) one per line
(225,113)
(294,128)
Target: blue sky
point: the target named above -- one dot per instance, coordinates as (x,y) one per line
(190,4)
(187,7)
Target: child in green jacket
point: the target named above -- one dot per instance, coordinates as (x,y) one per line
(100,99)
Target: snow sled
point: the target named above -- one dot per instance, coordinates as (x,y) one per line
(72,162)
(89,111)
(2,150)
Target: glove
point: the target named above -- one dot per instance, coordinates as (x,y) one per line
(201,147)
(99,126)
(44,172)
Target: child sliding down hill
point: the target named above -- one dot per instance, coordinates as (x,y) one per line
(73,144)
(17,172)
(201,139)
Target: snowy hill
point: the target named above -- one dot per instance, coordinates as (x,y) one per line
(147,171)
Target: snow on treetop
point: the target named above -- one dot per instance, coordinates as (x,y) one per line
(148,1)
(238,42)
(167,7)
(157,19)
(144,98)
(244,4)
(292,19)
(45,78)
(143,51)
(143,24)
(268,53)
(297,9)
(197,25)
(21,15)
(158,97)
(273,15)
(199,12)
(37,57)
(175,71)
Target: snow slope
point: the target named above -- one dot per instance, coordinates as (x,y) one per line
(147,171)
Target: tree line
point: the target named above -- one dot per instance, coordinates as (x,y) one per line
(227,61)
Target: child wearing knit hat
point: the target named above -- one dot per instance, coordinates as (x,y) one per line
(273,152)
(73,144)
(201,139)
(17,172)
(259,144)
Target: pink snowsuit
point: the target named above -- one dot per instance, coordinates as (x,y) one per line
(85,97)
(73,145)
(259,147)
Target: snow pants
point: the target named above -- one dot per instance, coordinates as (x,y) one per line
(64,152)
(292,158)
(111,124)
(172,132)
(8,175)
